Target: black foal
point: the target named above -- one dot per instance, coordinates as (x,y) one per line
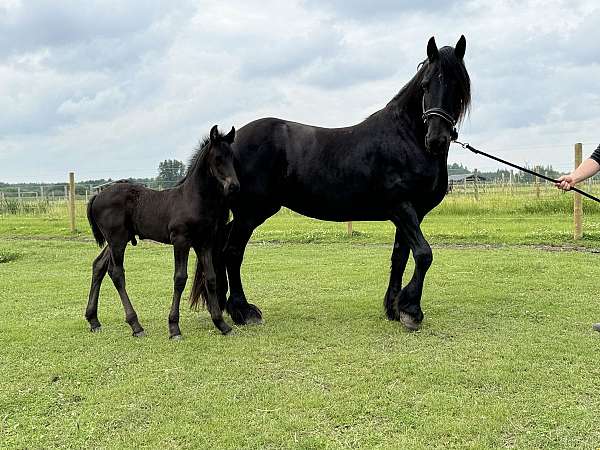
(191,215)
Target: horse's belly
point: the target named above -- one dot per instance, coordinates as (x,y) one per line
(336,206)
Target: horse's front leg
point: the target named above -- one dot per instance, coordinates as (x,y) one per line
(212,301)
(398,265)
(181,251)
(408,303)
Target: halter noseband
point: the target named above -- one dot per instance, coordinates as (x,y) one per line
(439,112)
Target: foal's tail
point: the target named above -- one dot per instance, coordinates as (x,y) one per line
(199,291)
(95,229)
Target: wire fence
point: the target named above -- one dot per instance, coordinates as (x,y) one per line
(465,197)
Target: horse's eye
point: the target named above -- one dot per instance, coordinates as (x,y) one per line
(425,86)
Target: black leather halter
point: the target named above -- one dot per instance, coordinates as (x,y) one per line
(439,112)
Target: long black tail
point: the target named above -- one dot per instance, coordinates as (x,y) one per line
(199,291)
(95,229)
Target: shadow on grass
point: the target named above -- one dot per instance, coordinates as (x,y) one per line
(7,256)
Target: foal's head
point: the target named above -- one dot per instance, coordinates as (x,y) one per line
(219,158)
(446,93)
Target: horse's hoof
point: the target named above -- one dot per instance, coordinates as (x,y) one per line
(177,337)
(226,329)
(254,320)
(139,334)
(97,329)
(252,315)
(409,322)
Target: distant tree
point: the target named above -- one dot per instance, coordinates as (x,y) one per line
(170,171)
(549,171)
(457,169)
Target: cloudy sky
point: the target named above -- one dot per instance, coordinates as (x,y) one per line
(110,88)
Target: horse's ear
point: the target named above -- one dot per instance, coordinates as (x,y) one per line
(461,47)
(230,137)
(432,50)
(214,134)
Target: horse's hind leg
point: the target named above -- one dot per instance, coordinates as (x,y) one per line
(116,272)
(242,226)
(212,301)
(399,260)
(408,303)
(181,252)
(220,269)
(99,268)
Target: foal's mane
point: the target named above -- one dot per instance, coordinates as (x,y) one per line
(198,157)
(451,67)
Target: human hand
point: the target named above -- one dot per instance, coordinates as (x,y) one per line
(565,182)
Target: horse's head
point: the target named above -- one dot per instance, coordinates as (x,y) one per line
(220,160)
(446,94)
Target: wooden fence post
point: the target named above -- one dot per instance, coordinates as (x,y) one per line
(577,207)
(537,184)
(349,228)
(475,185)
(72,200)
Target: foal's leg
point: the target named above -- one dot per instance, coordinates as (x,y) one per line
(99,268)
(212,302)
(117,274)
(399,260)
(408,303)
(181,251)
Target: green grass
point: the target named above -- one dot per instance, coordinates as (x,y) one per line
(506,357)
(447,225)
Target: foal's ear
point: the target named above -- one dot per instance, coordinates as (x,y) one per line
(214,134)
(461,47)
(230,137)
(432,50)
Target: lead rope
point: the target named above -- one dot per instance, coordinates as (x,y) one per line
(531,172)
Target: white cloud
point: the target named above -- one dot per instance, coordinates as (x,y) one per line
(109,89)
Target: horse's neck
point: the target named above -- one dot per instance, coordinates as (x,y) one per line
(406,112)
(199,183)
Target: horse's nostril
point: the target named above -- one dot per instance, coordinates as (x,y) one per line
(234,188)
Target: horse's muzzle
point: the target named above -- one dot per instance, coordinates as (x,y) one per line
(437,146)
(232,189)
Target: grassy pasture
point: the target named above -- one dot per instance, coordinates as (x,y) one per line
(506,357)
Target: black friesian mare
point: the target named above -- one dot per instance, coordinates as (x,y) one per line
(191,215)
(392,166)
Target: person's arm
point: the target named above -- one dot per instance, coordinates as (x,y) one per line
(586,169)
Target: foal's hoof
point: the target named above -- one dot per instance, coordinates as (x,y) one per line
(139,334)
(408,321)
(97,329)
(177,337)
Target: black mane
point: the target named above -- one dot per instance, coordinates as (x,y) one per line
(200,151)
(451,67)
